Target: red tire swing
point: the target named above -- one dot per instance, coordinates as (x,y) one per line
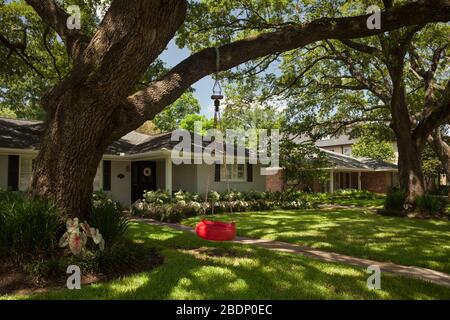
(216,230)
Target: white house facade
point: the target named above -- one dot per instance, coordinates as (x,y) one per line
(133,164)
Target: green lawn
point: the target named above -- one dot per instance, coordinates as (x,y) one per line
(377,202)
(424,243)
(196,269)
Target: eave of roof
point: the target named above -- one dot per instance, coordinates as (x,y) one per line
(344,162)
(25,136)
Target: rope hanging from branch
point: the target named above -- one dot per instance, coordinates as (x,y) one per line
(217,90)
(217,96)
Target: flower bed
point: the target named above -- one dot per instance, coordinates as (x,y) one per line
(159,205)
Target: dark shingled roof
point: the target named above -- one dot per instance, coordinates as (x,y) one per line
(340,140)
(342,161)
(20,134)
(25,134)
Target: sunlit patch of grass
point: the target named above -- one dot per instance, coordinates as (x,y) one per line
(198,269)
(355,232)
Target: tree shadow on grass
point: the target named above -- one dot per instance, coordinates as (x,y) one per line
(197,269)
(424,243)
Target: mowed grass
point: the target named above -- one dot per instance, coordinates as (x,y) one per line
(376,202)
(355,232)
(197,269)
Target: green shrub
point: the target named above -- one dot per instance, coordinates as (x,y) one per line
(183,204)
(157,197)
(254,195)
(110,220)
(186,196)
(100,196)
(432,204)
(27,226)
(394,200)
(441,191)
(124,257)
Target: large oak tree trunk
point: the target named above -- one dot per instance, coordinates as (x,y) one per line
(71,149)
(411,176)
(412,180)
(89,108)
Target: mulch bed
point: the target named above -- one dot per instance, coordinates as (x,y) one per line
(14,281)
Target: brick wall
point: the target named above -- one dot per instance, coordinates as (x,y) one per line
(378,182)
(275,182)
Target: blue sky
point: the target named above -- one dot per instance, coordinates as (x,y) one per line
(203,88)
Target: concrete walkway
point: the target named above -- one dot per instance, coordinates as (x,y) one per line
(425,274)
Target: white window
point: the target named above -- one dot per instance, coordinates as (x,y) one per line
(232,172)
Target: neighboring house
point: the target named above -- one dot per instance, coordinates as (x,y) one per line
(135,163)
(341,144)
(344,144)
(347,172)
(354,173)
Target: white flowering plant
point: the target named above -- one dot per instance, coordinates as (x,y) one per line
(77,236)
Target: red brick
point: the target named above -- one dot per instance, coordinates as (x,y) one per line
(275,182)
(378,182)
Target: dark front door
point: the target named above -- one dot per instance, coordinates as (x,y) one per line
(143,178)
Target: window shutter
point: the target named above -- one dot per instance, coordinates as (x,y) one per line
(217,173)
(249,172)
(13,173)
(106,175)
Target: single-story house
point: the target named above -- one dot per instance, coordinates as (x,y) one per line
(346,172)
(139,162)
(135,163)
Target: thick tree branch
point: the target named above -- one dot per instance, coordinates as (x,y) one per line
(427,77)
(435,117)
(131,36)
(152,100)
(55,17)
(442,149)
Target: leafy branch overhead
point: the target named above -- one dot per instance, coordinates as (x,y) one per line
(88,50)
(101,81)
